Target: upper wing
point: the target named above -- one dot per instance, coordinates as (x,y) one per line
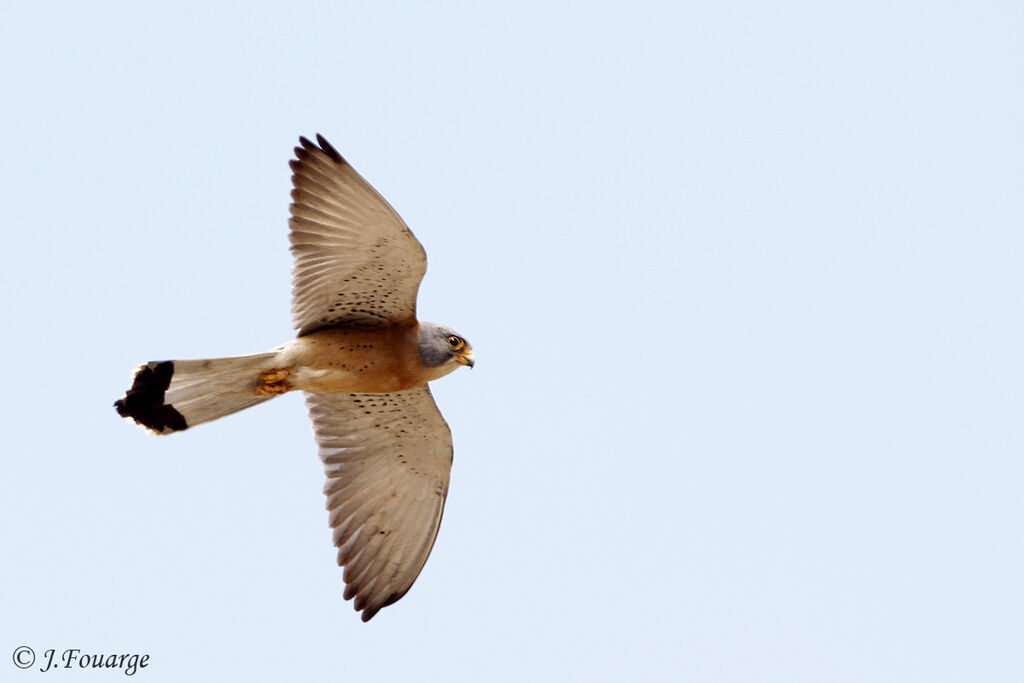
(355,260)
(387,459)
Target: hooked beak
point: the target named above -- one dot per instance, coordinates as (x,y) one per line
(466,358)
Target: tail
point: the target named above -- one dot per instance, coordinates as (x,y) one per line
(172,395)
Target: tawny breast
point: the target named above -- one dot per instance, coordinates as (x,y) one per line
(358,360)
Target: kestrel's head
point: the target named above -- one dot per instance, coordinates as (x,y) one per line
(442,347)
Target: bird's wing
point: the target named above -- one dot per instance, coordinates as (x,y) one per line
(387,459)
(355,259)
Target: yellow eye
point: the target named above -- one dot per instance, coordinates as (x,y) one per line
(455,343)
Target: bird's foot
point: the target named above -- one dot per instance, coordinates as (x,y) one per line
(272,382)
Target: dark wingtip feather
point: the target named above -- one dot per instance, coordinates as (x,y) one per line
(307,146)
(393,598)
(369,611)
(144,402)
(329,149)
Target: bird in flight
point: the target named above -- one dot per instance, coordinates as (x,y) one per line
(362,359)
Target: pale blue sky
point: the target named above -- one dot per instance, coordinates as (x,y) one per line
(744,281)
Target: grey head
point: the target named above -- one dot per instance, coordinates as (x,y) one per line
(440,344)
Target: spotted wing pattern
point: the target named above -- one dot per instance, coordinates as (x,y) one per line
(387,458)
(355,260)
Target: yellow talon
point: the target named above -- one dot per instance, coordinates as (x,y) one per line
(272,382)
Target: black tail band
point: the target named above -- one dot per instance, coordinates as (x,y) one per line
(144,402)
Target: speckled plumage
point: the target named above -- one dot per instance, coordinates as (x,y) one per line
(364,362)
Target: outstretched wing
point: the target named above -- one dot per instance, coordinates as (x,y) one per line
(355,259)
(387,458)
